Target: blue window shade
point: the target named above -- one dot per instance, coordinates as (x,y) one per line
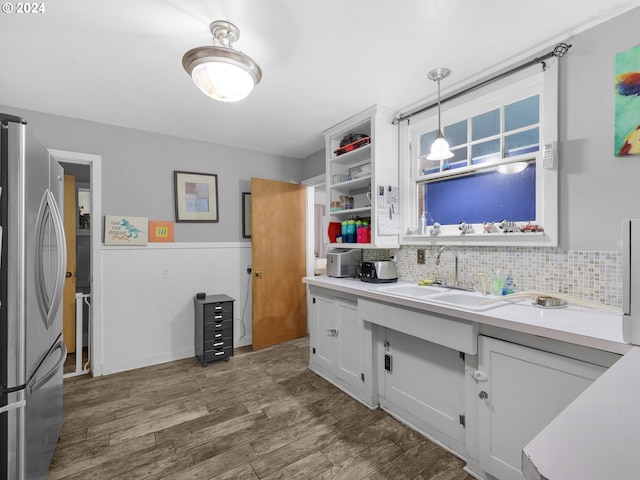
(482,197)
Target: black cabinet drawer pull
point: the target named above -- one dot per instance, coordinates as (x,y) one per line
(218,325)
(217,344)
(219,353)
(217,317)
(217,335)
(218,307)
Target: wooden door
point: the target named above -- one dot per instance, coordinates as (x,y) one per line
(69,296)
(279,264)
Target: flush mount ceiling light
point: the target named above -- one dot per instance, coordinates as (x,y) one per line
(511,168)
(440,147)
(220,71)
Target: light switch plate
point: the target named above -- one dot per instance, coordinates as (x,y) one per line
(420,256)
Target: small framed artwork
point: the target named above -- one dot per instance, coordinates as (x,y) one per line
(196,196)
(125,230)
(246,215)
(161,231)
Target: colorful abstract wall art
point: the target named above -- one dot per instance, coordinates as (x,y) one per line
(627,103)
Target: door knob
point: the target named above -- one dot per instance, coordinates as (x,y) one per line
(258,273)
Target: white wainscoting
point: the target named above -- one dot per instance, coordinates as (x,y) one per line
(149,319)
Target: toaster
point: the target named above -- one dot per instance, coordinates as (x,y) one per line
(378,272)
(343,262)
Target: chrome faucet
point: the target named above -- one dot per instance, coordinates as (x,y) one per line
(456,284)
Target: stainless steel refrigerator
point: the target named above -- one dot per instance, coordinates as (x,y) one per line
(32,272)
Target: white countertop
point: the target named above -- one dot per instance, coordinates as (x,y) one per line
(580,326)
(598,435)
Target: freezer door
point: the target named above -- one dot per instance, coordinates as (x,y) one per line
(45,253)
(44,412)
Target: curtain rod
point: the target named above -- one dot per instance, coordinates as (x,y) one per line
(559,51)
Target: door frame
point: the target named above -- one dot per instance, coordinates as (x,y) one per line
(311,184)
(95,165)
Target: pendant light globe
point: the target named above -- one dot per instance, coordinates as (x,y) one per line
(440,147)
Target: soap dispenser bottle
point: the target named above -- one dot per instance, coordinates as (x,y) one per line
(497,283)
(509,286)
(422,225)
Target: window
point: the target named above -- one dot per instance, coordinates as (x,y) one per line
(500,127)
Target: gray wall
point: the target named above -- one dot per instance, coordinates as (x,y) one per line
(314,165)
(137,170)
(597,189)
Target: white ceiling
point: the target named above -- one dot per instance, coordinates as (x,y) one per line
(119,61)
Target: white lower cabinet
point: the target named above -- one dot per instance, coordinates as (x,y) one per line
(425,385)
(525,389)
(341,344)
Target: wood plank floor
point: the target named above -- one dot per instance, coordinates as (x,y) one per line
(262,415)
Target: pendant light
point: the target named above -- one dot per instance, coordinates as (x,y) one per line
(220,71)
(440,147)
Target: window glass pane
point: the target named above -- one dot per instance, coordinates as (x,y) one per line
(522,113)
(485,151)
(488,196)
(426,140)
(456,134)
(428,166)
(485,125)
(520,143)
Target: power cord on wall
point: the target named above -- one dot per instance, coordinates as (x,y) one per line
(244,308)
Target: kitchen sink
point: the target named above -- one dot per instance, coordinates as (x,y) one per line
(444,296)
(468,300)
(410,290)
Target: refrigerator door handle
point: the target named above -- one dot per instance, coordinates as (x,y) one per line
(49,211)
(35,386)
(13,406)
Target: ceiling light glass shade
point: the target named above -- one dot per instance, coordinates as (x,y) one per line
(511,168)
(221,72)
(440,149)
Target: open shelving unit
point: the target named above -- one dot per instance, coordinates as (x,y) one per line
(359,171)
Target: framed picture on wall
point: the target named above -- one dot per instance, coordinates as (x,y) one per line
(196,196)
(246,215)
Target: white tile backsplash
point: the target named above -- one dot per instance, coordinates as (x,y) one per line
(593,276)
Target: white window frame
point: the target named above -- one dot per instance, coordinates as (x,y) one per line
(505,91)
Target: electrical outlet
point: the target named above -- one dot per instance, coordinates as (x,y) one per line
(249,269)
(166,273)
(420,258)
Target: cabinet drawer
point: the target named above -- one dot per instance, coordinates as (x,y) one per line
(217,325)
(218,352)
(219,307)
(217,343)
(217,334)
(218,316)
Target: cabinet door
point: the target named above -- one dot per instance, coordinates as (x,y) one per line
(526,388)
(427,381)
(323,338)
(349,339)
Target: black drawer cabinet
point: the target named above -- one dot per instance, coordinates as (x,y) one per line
(214,328)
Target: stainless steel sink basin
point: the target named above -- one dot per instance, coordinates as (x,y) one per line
(414,291)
